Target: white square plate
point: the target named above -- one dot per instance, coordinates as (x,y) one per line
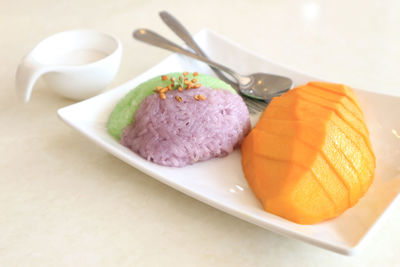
(220,182)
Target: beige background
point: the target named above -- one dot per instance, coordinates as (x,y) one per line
(66,202)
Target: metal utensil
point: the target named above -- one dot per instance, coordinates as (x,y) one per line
(254,105)
(262,86)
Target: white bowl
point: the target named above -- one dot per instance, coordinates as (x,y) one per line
(77,64)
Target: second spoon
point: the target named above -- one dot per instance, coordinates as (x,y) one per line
(262,86)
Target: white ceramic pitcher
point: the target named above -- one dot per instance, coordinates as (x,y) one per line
(76,64)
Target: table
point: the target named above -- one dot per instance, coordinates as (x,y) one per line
(66,202)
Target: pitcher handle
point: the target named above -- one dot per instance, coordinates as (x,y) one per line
(29,70)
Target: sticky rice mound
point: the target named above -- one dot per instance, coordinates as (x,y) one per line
(183,129)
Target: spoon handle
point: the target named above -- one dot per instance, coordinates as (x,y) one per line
(150,37)
(184,34)
(181,31)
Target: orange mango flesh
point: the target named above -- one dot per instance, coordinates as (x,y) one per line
(316,91)
(309,158)
(307,111)
(339,89)
(306,100)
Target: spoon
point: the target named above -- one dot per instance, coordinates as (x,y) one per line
(184,34)
(261,86)
(254,105)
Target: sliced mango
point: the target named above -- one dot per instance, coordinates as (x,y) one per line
(309,158)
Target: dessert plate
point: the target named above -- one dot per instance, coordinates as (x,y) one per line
(220,182)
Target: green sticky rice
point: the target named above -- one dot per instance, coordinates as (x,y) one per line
(124,111)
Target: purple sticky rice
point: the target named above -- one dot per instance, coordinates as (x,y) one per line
(173,133)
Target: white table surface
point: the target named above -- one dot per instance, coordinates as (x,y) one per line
(66,202)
